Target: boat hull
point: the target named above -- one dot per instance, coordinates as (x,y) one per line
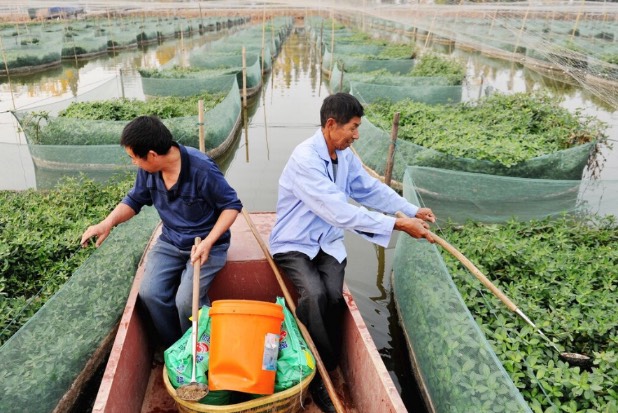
(133,383)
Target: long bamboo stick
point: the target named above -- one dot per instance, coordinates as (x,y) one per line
(290,302)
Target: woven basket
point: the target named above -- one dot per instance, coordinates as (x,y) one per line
(285,401)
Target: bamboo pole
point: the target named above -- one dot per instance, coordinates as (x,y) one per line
(263,35)
(290,302)
(579,13)
(332,42)
(8,75)
(121,83)
(390,161)
(200,122)
(244,77)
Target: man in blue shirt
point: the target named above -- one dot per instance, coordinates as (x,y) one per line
(312,213)
(193,199)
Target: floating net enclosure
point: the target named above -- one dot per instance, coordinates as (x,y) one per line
(447,334)
(457,368)
(72,143)
(374,144)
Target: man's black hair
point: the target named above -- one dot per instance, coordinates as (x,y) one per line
(342,107)
(147,133)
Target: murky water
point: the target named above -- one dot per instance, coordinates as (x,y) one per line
(285,112)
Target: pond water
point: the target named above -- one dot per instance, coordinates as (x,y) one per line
(285,112)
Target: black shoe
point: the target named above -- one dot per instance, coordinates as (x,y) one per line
(320,396)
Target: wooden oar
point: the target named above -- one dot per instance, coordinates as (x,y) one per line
(288,298)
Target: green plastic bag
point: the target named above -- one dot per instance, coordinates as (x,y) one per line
(179,358)
(295,361)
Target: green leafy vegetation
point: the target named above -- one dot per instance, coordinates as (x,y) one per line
(505,129)
(165,107)
(563,274)
(39,241)
(433,64)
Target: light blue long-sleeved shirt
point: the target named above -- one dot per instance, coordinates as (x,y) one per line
(313,209)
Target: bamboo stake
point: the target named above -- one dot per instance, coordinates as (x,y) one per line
(290,302)
(200,121)
(332,42)
(390,161)
(263,35)
(579,13)
(244,78)
(521,30)
(121,83)
(8,75)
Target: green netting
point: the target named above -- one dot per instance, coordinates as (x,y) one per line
(340,82)
(36,45)
(164,83)
(207,60)
(430,94)
(26,47)
(93,144)
(458,370)
(374,143)
(354,64)
(41,360)
(460,196)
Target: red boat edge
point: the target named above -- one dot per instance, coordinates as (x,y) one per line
(132,383)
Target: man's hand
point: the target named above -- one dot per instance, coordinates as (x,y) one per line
(414,227)
(426,214)
(100,230)
(200,252)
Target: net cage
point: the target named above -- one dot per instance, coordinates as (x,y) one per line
(374,144)
(355,64)
(396,88)
(233,62)
(45,356)
(34,46)
(456,367)
(70,143)
(214,75)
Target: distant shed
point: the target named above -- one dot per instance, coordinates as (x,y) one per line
(56,12)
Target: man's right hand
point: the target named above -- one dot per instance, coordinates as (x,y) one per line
(100,230)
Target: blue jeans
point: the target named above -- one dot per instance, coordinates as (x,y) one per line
(167,287)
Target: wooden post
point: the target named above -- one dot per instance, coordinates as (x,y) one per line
(244,78)
(200,121)
(341,78)
(263,35)
(332,42)
(391,150)
(320,46)
(481,88)
(121,82)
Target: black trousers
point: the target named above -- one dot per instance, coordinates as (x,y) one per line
(319,283)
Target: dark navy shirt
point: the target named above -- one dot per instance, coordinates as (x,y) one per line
(192,206)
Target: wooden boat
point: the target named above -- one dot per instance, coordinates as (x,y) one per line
(133,383)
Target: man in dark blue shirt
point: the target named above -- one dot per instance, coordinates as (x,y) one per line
(193,199)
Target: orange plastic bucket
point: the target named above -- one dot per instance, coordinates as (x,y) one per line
(244,344)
